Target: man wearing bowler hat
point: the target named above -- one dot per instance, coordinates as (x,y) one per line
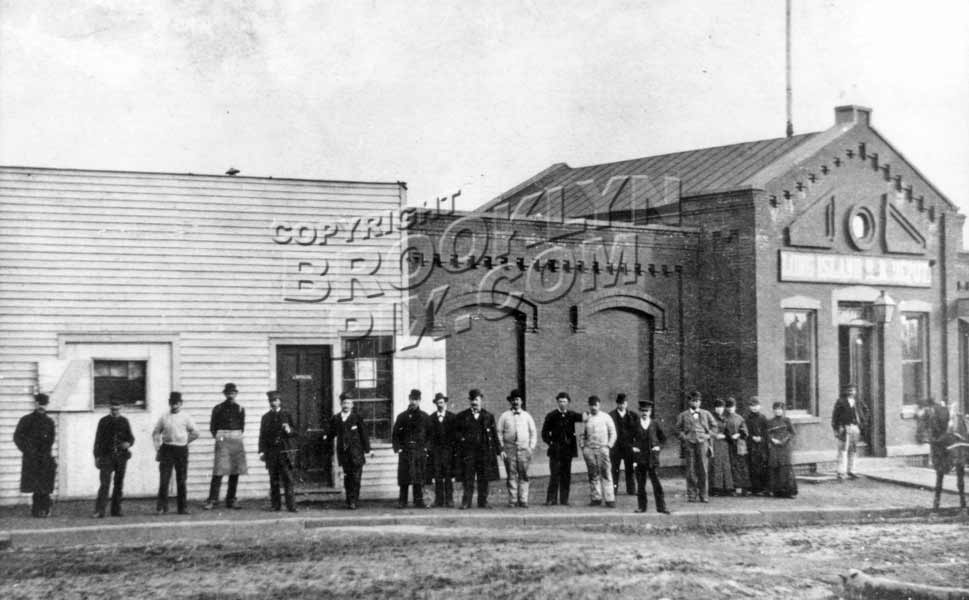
(34,437)
(172,435)
(518,435)
(111,453)
(846,420)
(227,426)
(276,432)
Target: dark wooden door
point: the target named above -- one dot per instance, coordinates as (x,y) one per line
(964,364)
(855,353)
(303,375)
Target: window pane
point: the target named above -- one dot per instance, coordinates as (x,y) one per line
(368,378)
(914,357)
(799,360)
(124,380)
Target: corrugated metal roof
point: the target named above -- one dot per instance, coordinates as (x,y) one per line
(700,171)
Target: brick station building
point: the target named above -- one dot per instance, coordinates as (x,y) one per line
(754,269)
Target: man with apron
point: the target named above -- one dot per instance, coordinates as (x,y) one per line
(227,426)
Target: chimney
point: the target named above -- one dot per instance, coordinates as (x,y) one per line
(852,113)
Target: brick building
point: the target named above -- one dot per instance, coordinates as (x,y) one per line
(759,270)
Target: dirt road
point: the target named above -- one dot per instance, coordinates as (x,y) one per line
(593,562)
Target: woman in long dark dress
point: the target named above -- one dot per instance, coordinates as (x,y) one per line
(721,480)
(736,431)
(780,433)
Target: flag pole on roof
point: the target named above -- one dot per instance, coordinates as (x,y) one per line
(787,40)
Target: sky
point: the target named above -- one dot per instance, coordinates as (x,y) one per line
(470,96)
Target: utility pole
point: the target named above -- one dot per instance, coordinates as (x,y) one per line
(790,122)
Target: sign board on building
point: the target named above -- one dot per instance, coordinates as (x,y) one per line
(820,267)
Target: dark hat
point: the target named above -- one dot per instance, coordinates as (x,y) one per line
(694,395)
(115,401)
(440,396)
(848,388)
(514,394)
(753,400)
(42,399)
(645,405)
(620,398)
(594,400)
(345,396)
(563,395)
(174,398)
(474,393)
(229,387)
(414,394)
(718,402)
(730,402)
(272,394)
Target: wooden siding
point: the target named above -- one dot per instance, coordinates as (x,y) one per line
(87,253)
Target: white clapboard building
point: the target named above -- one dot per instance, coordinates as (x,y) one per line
(138,284)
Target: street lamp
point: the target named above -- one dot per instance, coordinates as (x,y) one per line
(883,308)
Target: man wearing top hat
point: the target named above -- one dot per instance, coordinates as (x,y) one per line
(626,422)
(227,426)
(34,437)
(846,420)
(112,444)
(478,448)
(409,440)
(518,435)
(352,447)
(441,451)
(173,433)
(276,433)
(558,432)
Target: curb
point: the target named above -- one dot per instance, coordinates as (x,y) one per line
(216,531)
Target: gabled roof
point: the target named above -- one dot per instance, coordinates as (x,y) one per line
(701,171)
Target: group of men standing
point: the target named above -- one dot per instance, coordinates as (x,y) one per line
(444,446)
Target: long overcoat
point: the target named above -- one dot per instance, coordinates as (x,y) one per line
(34,436)
(409,439)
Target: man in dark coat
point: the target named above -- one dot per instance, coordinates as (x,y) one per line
(846,421)
(34,436)
(352,446)
(441,450)
(558,432)
(647,441)
(479,448)
(227,426)
(626,422)
(409,440)
(111,453)
(276,433)
(758,447)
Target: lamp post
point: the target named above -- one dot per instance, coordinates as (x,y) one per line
(883,308)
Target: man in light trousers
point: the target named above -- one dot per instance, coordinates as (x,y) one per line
(597,440)
(518,435)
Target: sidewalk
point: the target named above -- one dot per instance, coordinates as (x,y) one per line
(864,500)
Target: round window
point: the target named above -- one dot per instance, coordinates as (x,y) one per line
(861,227)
